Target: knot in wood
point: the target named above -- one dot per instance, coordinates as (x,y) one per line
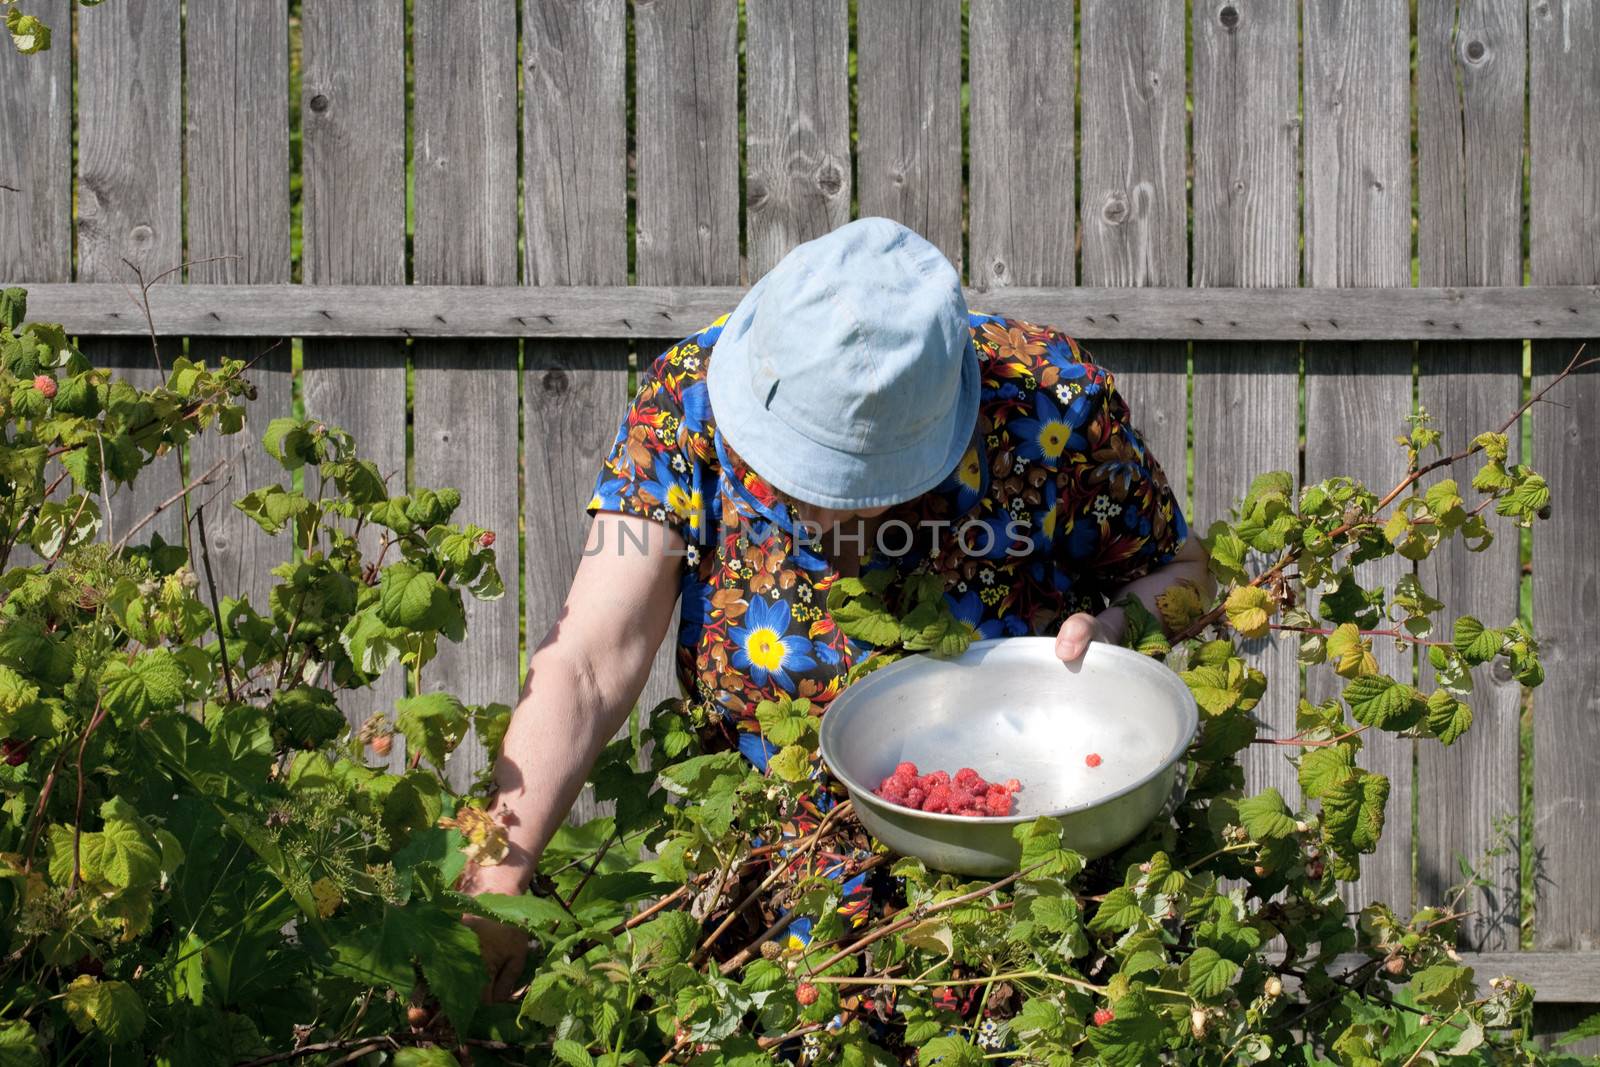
(830,179)
(1501,671)
(998,269)
(1475,51)
(141,234)
(319,103)
(1228,16)
(1115,210)
(554,381)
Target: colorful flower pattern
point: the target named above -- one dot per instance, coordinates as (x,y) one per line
(1057,500)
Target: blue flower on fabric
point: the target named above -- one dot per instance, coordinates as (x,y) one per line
(1083,540)
(696,406)
(765,647)
(678,499)
(969,609)
(1051,431)
(1060,351)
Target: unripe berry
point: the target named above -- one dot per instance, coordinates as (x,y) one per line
(806,994)
(1274,986)
(1301,826)
(382,744)
(1395,965)
(1103,1016)
(1260,871)
(1197,1022)
(486,539)
(46,385)
(416,1015)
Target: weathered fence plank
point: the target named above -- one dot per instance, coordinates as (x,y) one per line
(797,107)
(573,392)
(1564,55)
(687,102)
(1358,233)
(1471,66)
(464,145)
(1022,229)
(1246,224)
(237,165)
(908,162)
(564,312)
(128,209)
(1134,205)
(36,184)
(353,118)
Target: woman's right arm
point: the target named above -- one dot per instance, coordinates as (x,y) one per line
(582,682)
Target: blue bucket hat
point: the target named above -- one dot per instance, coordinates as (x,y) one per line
(847,377)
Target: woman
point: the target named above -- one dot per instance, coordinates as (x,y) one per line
(848,414)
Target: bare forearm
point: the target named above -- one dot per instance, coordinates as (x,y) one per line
(564,719)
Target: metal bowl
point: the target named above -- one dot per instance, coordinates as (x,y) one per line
(1009,708)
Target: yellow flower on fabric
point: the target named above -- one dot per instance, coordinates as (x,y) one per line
(685,503)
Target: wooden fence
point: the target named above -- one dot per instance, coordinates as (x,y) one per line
(1350,205)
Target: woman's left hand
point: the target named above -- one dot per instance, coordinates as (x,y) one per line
(1080,629)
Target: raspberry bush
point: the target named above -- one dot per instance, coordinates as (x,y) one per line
(202,860)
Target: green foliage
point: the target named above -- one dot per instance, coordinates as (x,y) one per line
(205,856)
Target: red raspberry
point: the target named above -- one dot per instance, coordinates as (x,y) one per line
(382,744)
(1103,1016)
(486,539)
(905,770)
(46,385)
(999,803)
(806,994)
(915,797)
(1012,785)
(967,776)
(14,750)
(938,799)
(1092,759)
(940,778)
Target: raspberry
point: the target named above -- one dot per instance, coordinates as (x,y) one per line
(14,751)
(46,385)
(486,539)
(940,778)
(1092,759)
(1000,804)
(915,797)
(806,994)
(907,770)
(1012,785)
(967,776)
(1395,965)
(1103,1016)
(382,744)
(938,799)
(1273,987)
(417,1015)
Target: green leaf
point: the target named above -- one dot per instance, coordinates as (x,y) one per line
(1378,700)
(385,952)
(1475,642)
(27,32)
(792,763)
(415,1056)
(152,683)
(1135,1037)
(1265,815)
(1324,769)
(1443,986)
(1448,717)
(1249,610)
(19,1045)
(950,1051)
(414,599)
(571,1053)
(1590,1027)
(667,939)
(1119,911)
(1207,975)
(110,1009)
(309,716)
(433,724)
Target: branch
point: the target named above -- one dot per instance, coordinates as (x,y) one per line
(1576,364)
(1324,632)
(216,608)
(204,479)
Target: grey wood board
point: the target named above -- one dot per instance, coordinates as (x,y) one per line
(1471,71)
(687,104)
(797,145)
(582,311)
(127,200)
(353,135)
(465,432)
(1246,227)
(1559,979)
(908,117)
(1022,162)
(1132,160)
(1564,61)
(1132,100)
(573,395)
(236,165)
(575,143)
(1358,233)
(36,184)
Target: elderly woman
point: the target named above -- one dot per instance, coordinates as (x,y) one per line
(848,416)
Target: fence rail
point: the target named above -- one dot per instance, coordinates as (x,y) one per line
(1290,222)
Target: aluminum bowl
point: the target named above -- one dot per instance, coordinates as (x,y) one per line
(1009,708)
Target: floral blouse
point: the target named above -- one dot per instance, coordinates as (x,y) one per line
(1056,504)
